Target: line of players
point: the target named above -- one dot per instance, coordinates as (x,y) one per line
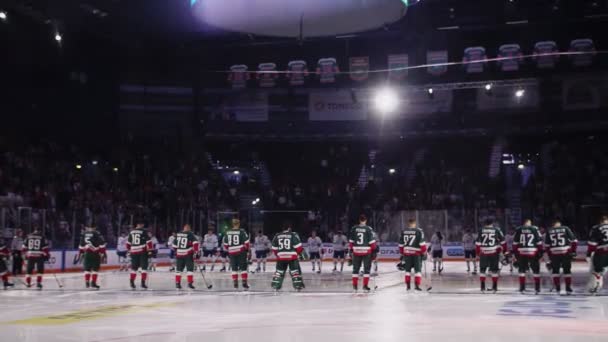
(529,247)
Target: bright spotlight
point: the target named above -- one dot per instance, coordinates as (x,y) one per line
(58,37)
(115,169)
(430,90)
(94,162)
(236,172)
(519,93)
(386,100)
(2,15)
(488,87)
(78,166)
(521,166)
(392,171)
(257,199)
(254,203)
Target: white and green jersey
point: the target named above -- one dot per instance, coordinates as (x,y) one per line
(287,246)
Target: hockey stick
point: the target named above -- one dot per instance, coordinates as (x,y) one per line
(209,286)
(20,281)
(57,280)
(429,280)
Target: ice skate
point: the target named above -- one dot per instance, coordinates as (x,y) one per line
(132,284)
(94,285)
(7,285)
(191,286)
(178,286)
(39,286)
(143,285)
(366,289)
(417,288)
(245,286)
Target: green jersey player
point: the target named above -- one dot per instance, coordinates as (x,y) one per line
(490,244)
(413,249)
(287,247)
(92,250)
(236,241)
(560,245)
(528,249)
(361,245)
(140,247)
(186,248)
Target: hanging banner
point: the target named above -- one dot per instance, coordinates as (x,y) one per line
(327,68)
(359,68)
(586,48)
(336,105)
(513,56)
(267,75)
(437,57)
(545,54)
(474,59)
(238,76)
(397,65)
(297,72)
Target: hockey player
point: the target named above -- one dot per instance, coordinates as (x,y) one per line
(223,253)
(4,254)
(489,245)
(170,241)
(598,253)
(139,246)
(509,251)
(437,252)
(361,244)
(16,248)
(121,252)
(413,248)
(36,251)
(560,245)
(262,246)
(236,241)
(375,253)
(314,250)
(187,248)
(468,242)
(210,243)
(152,252)
(92,249)
(339,245)
(528,250)
(287,247)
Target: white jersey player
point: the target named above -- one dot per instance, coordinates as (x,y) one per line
(261,244)
(170,241)
(437,252)
(121,251)
(210,249)
(314,250)
(468,242)
(154,252)
(340,245)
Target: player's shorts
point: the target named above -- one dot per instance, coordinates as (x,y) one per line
(600,262)
(261,254)
(438,254)
(224,254)
(139,261)
(412,261)
(561,262)
(488,262)
(238,262)
(339,254)
(121,254)
(208,253)
(470,254)
(91,262)
(531,262)
(185,264)
(314,256)
(365,261)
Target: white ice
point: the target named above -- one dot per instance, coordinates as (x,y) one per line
(326,310)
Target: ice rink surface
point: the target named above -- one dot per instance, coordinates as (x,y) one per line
(327,310)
